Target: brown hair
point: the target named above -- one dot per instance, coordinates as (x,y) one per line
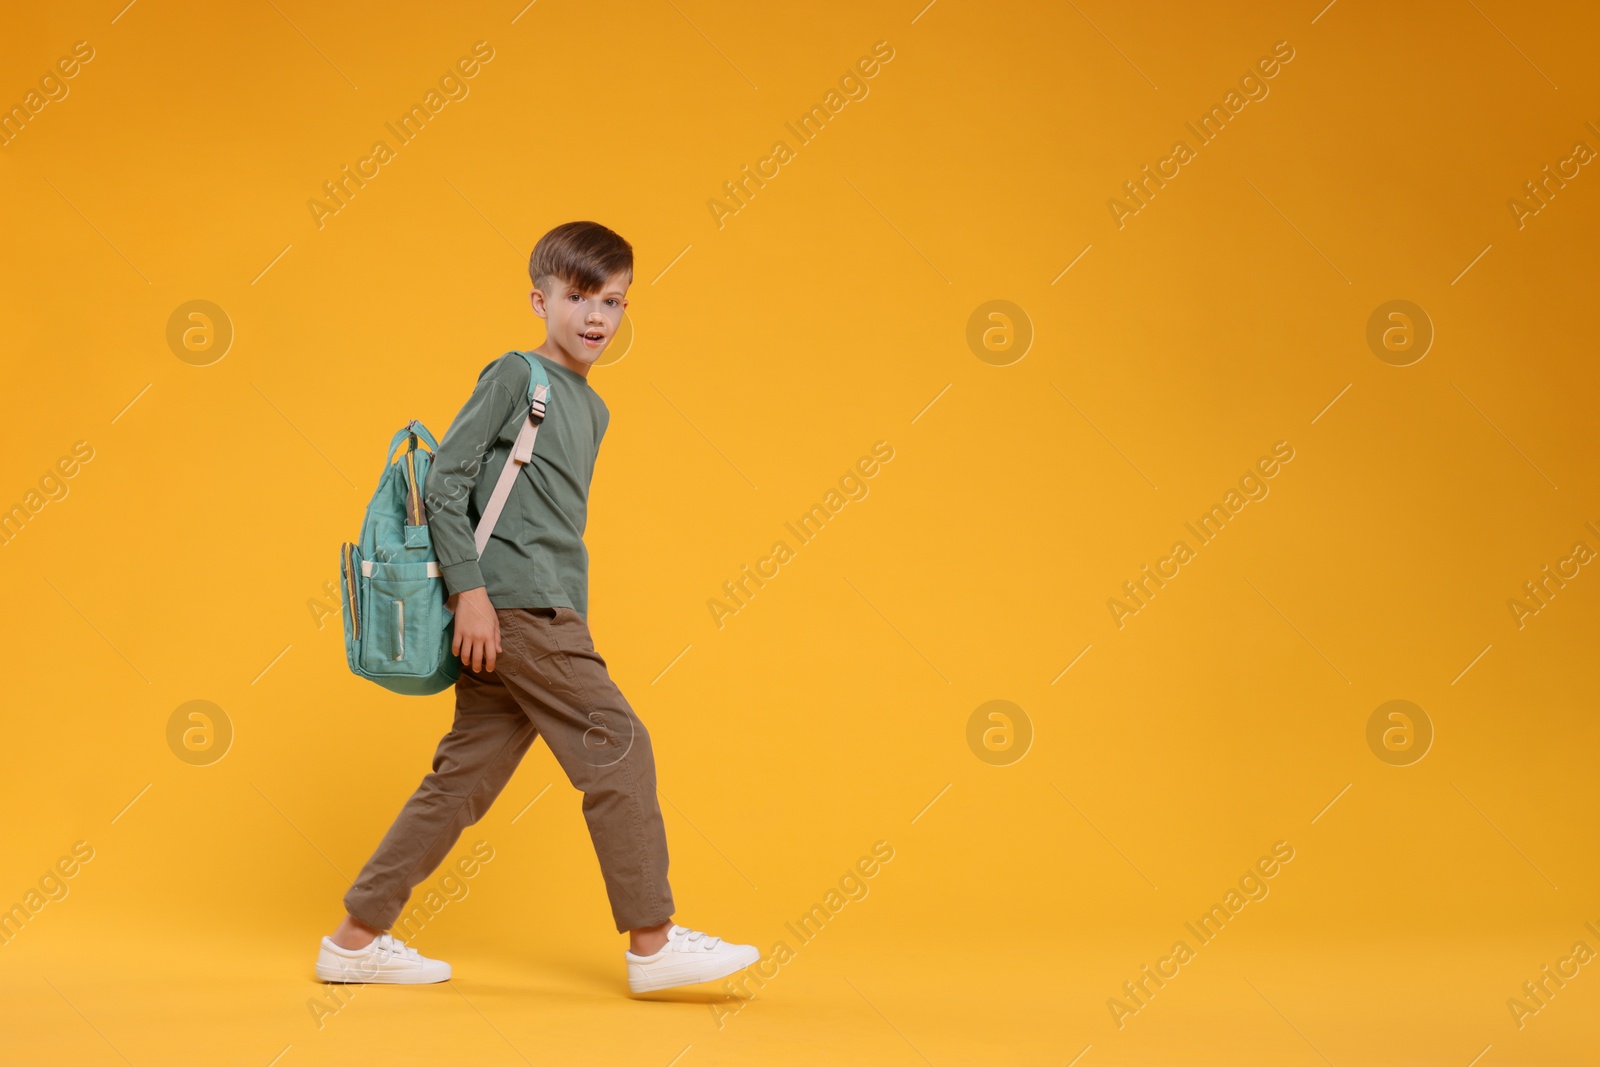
(582,254)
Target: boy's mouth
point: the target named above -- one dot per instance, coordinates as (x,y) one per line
(593,338)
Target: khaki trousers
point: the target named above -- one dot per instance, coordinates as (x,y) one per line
(548,680)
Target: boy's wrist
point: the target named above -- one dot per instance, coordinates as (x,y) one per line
(461,577)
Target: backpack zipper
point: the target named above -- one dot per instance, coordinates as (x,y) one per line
(416,499)
(400,628)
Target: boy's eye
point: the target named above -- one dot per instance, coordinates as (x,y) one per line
(612,301)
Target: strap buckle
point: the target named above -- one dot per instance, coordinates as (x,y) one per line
(536,404)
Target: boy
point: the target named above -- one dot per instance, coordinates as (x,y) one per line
(529,667)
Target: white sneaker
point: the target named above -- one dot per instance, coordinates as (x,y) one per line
(688,957)
(385,960)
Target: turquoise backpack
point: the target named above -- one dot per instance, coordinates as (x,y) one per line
(397,630)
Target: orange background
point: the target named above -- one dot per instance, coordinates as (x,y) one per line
(186,560)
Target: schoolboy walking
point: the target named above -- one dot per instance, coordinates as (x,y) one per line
(529,666)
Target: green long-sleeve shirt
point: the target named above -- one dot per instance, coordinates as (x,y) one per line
(536,557)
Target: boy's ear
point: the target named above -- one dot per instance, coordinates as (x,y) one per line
(536,298)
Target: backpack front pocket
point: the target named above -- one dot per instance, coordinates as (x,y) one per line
(401,615)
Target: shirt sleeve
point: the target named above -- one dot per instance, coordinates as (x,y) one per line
(455,472)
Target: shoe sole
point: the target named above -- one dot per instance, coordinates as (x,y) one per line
(657,983)
(355,976)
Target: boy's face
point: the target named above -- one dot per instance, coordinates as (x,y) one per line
(579,326)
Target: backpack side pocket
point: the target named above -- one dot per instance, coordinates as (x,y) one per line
(350,603)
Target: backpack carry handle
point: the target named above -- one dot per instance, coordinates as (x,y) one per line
(410,428)
(416,431)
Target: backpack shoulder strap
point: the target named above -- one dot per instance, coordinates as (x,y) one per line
(536,374)
(521,452)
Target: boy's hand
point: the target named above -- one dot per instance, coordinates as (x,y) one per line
(477,636)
